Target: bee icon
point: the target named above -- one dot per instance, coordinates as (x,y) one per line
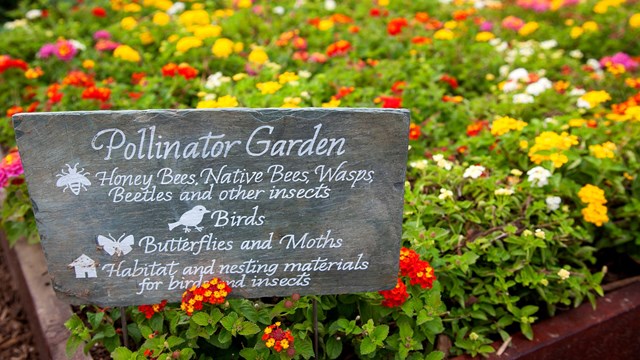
(74,179)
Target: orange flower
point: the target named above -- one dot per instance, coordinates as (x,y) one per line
(396,296)
(196,296)
(339,47)
(414,132)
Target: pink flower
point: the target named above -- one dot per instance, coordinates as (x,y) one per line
(65,50)
(101,34)
(4,178)
(11,165)
(619,59)
(46,50)
(486,26)
(512,22)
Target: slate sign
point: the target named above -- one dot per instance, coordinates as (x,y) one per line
(136,206)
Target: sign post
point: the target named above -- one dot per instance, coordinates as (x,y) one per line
(134,207)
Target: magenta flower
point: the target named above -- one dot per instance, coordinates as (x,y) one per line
(65,50)
(4,178)
(619,59)
(101,34)
(486,26)
(11,165)
(46,50)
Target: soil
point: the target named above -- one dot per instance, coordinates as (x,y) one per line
(16,340)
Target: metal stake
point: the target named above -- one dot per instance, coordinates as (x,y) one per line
(315,328)
(123,323)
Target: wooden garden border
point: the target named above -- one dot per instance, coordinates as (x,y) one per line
(46,313)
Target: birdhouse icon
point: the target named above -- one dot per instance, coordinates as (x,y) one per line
(84,266)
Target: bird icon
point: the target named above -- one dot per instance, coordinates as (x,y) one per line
(190,218)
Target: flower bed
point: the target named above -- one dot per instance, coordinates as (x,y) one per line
(522,168)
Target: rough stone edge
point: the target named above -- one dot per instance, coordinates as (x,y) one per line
(564,333)
(46,313)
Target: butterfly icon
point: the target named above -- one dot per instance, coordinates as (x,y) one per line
(119,247)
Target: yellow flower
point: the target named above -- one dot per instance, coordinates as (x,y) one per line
(523,144)
(528,28)
(163,5)
(222,48)
(505,124)
(577,122)
(269,87)
(595,214)
(549,146)
(194,17)
(284,343)
(594,98)
(291,102)
(125,52)
(88,64)
(244,4)
(34,73)
(128,23)
(450,24)
(161,19)
(238,47)
(590,26)
(207,31)
(443,34)
(576,32)
(197,6)
(383,3)
(325,24)
(132,7)
(287,77)
(187,43)
(484,36)
(146,38)
(602,151)
(331,103)
(258,56)
(592,194)
(226,101)
(270,342)
(239,76)
(634,21)
(173,38)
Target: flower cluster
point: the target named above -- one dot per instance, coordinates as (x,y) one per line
(417,270)
(277,339)
(596,211)
(183,69)
(10,168)
(150,310)
(550,145)
(214,292)
(503,125)
(396,296)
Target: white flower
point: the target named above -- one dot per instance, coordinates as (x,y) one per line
(10,25)
(564,274)
(594,64)
(540,234)
(441,162)
(305,74)
(553,202)
(215,80)
(538,176)
(522,99)
(177,7)
(581,103)
(330,5)
(473,171)
(33,14)
(503,191)
(519,74)
(577,92)
(210,97)
(539,86)
(278,10)
(445,194)
(510,86)
(78,45)
(548,44)
(305,94)
(576,54)
(419,164)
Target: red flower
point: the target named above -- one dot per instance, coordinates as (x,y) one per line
(398,87)
(396,296)
(344,91)
(421,40)
(14,110)
(414,132)
(475,128)
(419,271)
(170,69)
(450,80)
(6,62)
(99,12)
(339,47)
(137,78)
(78,78)
(96,93)
(150,310)
(187,71)
(213,292)
(390,102)
(276,338)
(394,27)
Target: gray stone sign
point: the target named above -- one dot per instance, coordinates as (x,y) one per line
(133,207)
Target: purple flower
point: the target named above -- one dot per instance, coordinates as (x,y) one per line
(46,50)
(101,34)
(619,59)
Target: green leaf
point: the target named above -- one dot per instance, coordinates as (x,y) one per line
(187,353)
(367,346)
(248,328)
(122,353)
(174,341)
(228,321)
(333,348)
(215,316)
(304,347)
(73,343)
(435,355)
(249,353)
(201,318)
(380,333)
(95,319)
(224,337)
(527,331)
